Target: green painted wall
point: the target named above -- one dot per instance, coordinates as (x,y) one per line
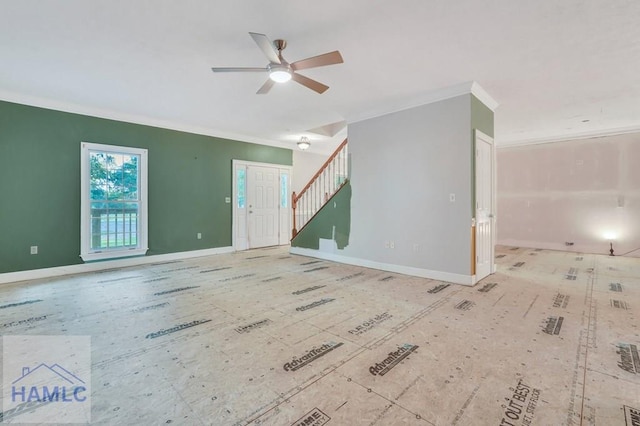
(189,178)
(337,212)
(481,117)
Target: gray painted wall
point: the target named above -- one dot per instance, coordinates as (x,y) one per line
(403,167)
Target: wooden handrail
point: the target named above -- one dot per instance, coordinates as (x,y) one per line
(297,197)
(322,169)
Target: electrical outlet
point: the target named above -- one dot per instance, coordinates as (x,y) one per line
(227,200)
(199,235)
(452,198)
(34,249)
(392,244)
(386,244)
(620,200)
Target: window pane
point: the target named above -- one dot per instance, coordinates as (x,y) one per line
(283,191)
(130,177)
(114,186)
(241,183)
(98,191)
(98,211)
(130,224)
(98,172)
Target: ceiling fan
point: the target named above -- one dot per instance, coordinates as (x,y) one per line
(280,70)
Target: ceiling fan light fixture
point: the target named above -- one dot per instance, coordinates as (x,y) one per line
(304,143)
(280,74)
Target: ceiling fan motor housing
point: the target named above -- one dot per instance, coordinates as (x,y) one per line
(280,44)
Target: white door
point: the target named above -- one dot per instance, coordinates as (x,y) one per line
(484,206)
(263,213)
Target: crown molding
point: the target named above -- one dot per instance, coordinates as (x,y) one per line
(483,96)
(72,108)
(469,87)
(591,134)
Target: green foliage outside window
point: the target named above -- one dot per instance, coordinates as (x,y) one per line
(114,200)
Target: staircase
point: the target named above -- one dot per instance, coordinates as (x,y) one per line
(332,176)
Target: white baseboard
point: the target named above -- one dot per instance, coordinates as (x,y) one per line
(35,274)
(467,280)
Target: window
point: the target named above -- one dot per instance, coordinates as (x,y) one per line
(284,193)
(113,201)
(242,186)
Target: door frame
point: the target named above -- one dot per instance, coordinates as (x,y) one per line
(490,141)
(283,235)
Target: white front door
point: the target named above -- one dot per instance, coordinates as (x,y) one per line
(484,206)
(263,208)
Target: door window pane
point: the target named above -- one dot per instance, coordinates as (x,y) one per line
(284,196)
(242,187)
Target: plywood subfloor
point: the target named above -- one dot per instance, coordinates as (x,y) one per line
(265,337)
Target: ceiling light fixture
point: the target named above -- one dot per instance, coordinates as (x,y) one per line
(280,73)
(304,143)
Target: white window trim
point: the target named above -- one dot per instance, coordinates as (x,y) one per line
(85,212)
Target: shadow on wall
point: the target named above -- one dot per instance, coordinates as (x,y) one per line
(332,222)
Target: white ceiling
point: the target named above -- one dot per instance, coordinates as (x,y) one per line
(556,68)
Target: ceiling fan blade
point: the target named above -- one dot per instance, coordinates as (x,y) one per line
(266,87)
(238,69)
(307,82)
(330,58)
(267,47)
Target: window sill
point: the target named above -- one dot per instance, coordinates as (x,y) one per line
(115,254)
